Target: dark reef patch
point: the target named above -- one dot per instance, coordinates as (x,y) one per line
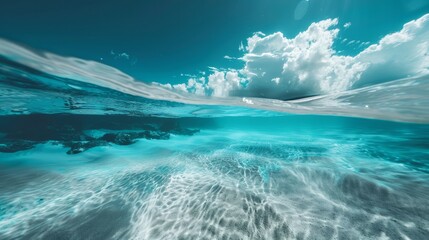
(22,132)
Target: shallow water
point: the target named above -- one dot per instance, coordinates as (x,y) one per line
(88,153)
(231,180)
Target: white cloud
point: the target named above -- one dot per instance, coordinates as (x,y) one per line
(122,55)
(181,87)
(276,80)
(347,25)
(229,57)
(397,55)
(197,86)
(187,75)
(222,83)
(352,42)
(241,47)
(285,68)
(213,69)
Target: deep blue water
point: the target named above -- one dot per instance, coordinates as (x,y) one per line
(86,152)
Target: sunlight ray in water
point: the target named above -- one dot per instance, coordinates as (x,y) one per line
(225,183)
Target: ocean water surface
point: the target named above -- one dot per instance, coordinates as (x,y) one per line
(341,151)
(81,161)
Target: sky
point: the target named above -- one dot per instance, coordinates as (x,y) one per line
(171,41)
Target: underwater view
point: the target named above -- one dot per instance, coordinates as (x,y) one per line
(203,119)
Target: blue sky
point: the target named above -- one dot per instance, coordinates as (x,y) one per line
(159,40)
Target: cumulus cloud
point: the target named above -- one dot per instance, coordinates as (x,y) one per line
(286,68)
(398,55)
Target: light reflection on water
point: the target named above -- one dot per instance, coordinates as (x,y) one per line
(226,183)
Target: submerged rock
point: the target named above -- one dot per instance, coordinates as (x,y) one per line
(160,135)
(82,132)
(16,146)
(127,138)
(118,138)
(78,147)
(79,142)
(184,131)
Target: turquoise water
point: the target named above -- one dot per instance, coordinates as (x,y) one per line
(87,152)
